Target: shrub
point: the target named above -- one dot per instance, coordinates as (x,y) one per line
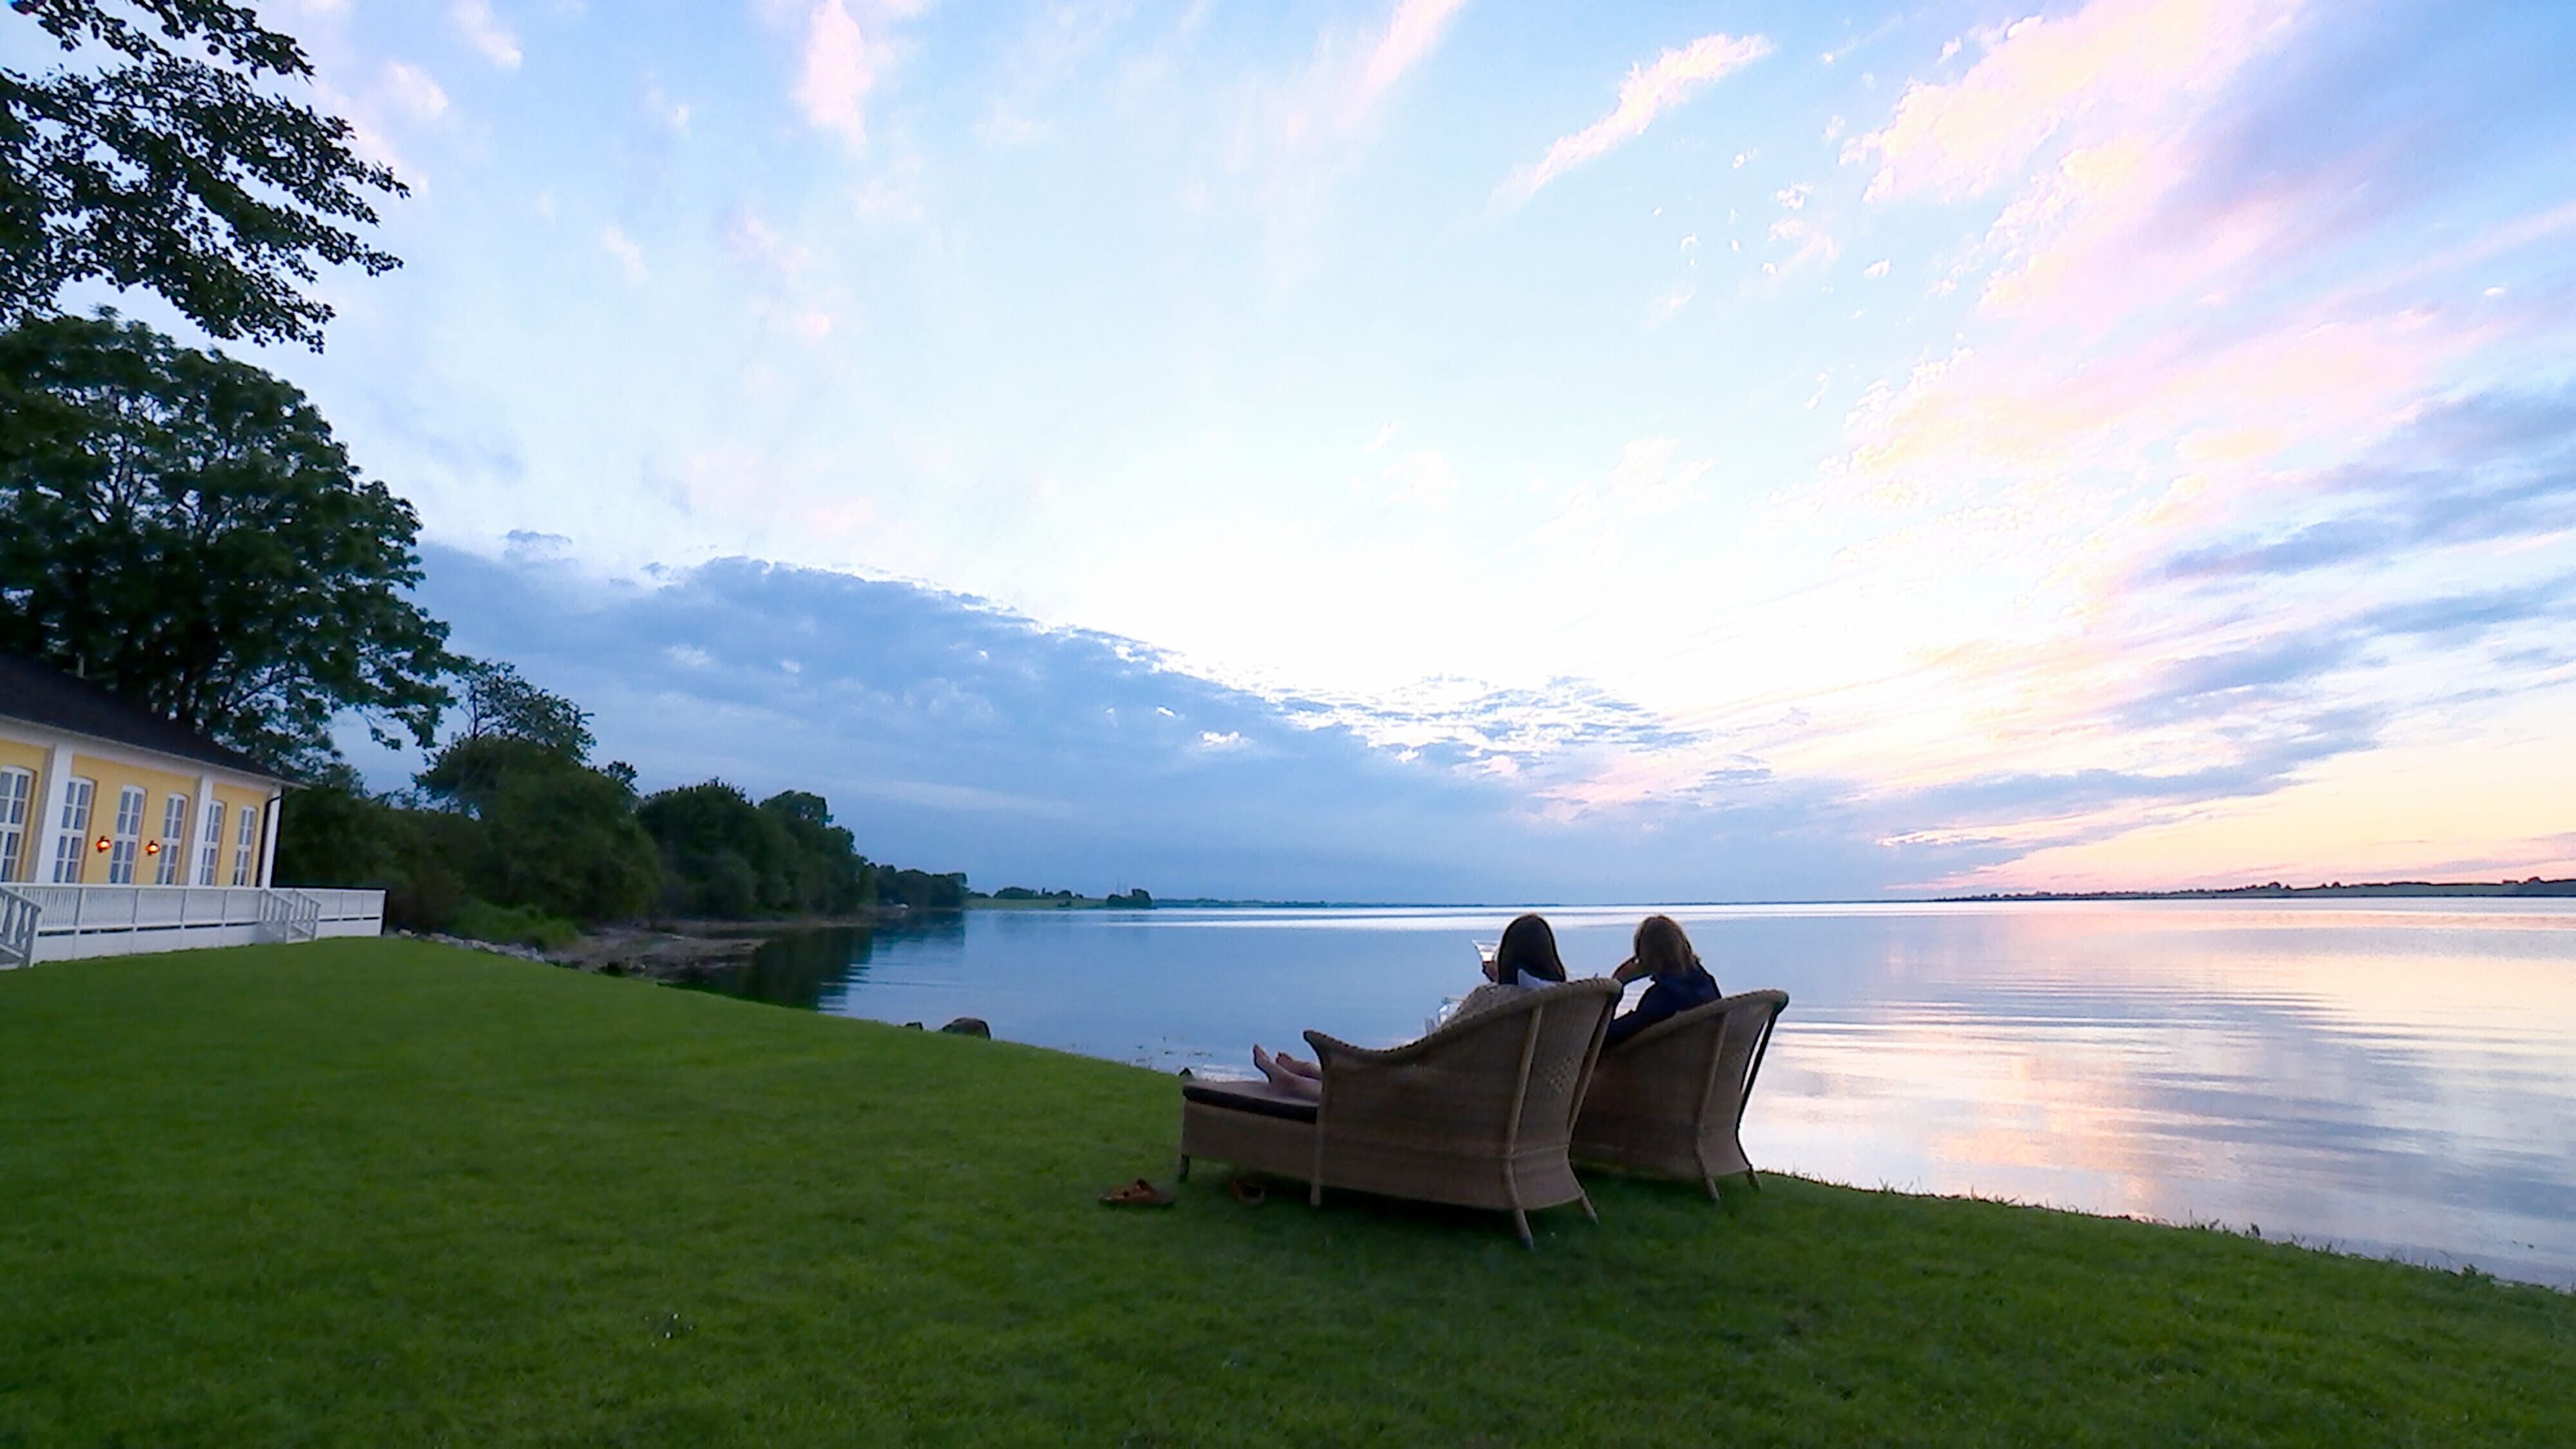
(565,841)
(512,925)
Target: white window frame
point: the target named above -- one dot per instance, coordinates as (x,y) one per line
(243,840)
(211,854)
(71,846)
(173,865)
(127,844)
(17,791)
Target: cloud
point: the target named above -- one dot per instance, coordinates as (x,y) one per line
(838,69)
(2114,65)
(1299,135)
(1412,33)
(485,33)
(413,91)
(630,257)
(1647,91)
(953,734)
(1420,478)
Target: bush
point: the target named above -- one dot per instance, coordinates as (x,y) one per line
(565,841)
(335,834)
(512,926)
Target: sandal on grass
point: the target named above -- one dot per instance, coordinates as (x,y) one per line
(1139,1193)
(1247,1191)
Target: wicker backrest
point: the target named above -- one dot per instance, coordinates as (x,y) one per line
(1675,1093)
(1510,1076)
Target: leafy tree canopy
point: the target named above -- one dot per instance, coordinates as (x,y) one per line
(470,770)
(499,703)
(174,166)
(724,856)
(566,841)
(183,529)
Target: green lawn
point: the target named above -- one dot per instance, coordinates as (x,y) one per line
(386,1193)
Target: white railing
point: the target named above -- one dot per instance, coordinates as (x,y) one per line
(18,916)
(335,905)
(59,922)
(288,916)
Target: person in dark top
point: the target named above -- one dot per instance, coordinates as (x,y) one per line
(1662,952)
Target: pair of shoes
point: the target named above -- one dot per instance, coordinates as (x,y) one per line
(1139,1193)
(1247,1192)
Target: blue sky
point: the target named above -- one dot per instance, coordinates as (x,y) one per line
(1717,451)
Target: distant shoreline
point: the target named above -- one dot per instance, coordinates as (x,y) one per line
(2274,890)
(2534,887)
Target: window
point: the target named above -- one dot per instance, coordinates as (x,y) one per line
(73,843)
(17,787)
(174,841)
(214,846)
(129,836)
(243,840)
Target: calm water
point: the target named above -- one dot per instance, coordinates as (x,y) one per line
(2397,1078)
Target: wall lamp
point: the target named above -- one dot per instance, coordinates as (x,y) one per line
(102,842)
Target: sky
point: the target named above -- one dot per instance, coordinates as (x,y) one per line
(1441,450)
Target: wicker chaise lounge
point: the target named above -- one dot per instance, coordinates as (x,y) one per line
(1670,1099)
(1478,1113)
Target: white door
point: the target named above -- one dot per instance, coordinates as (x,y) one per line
(174,843)
(72,845)
(17,789)
(128,845)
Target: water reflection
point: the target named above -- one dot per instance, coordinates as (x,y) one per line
(2391,1077)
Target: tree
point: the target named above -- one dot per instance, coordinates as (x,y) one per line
(499,702)
(177,168)
(566,841)
(826,873)
(922,891)
(511,727)
(723,855)
(183,529)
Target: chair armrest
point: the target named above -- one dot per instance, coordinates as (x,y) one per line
(1331,1051)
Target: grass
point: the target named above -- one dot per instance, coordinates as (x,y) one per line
(512,925)
(381,1192)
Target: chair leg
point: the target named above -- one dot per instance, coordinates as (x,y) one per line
(1586,1200)
(1184,1173)
(1314,1194)
(1520,1225)
(1710,1182)
(1754,1178)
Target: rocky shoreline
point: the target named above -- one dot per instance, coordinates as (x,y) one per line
(664,951)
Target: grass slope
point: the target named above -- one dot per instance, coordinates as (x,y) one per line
(382,1192)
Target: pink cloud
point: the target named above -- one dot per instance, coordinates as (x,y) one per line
(840,67)
(1412,33)
(2113,66)
(1647,92)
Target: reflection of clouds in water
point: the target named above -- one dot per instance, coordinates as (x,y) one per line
(2397,1078)
(2391,1083)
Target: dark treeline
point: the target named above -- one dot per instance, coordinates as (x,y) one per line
(512,814)
(1138,899)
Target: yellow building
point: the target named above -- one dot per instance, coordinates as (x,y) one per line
(120,832)
(95,791)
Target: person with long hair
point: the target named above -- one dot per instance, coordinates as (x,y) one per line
(1525,960)
(1662,952)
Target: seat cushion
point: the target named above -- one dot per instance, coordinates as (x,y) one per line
(1258,1097)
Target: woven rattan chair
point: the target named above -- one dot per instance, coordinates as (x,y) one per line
(1670,1099)
(1478,1113)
